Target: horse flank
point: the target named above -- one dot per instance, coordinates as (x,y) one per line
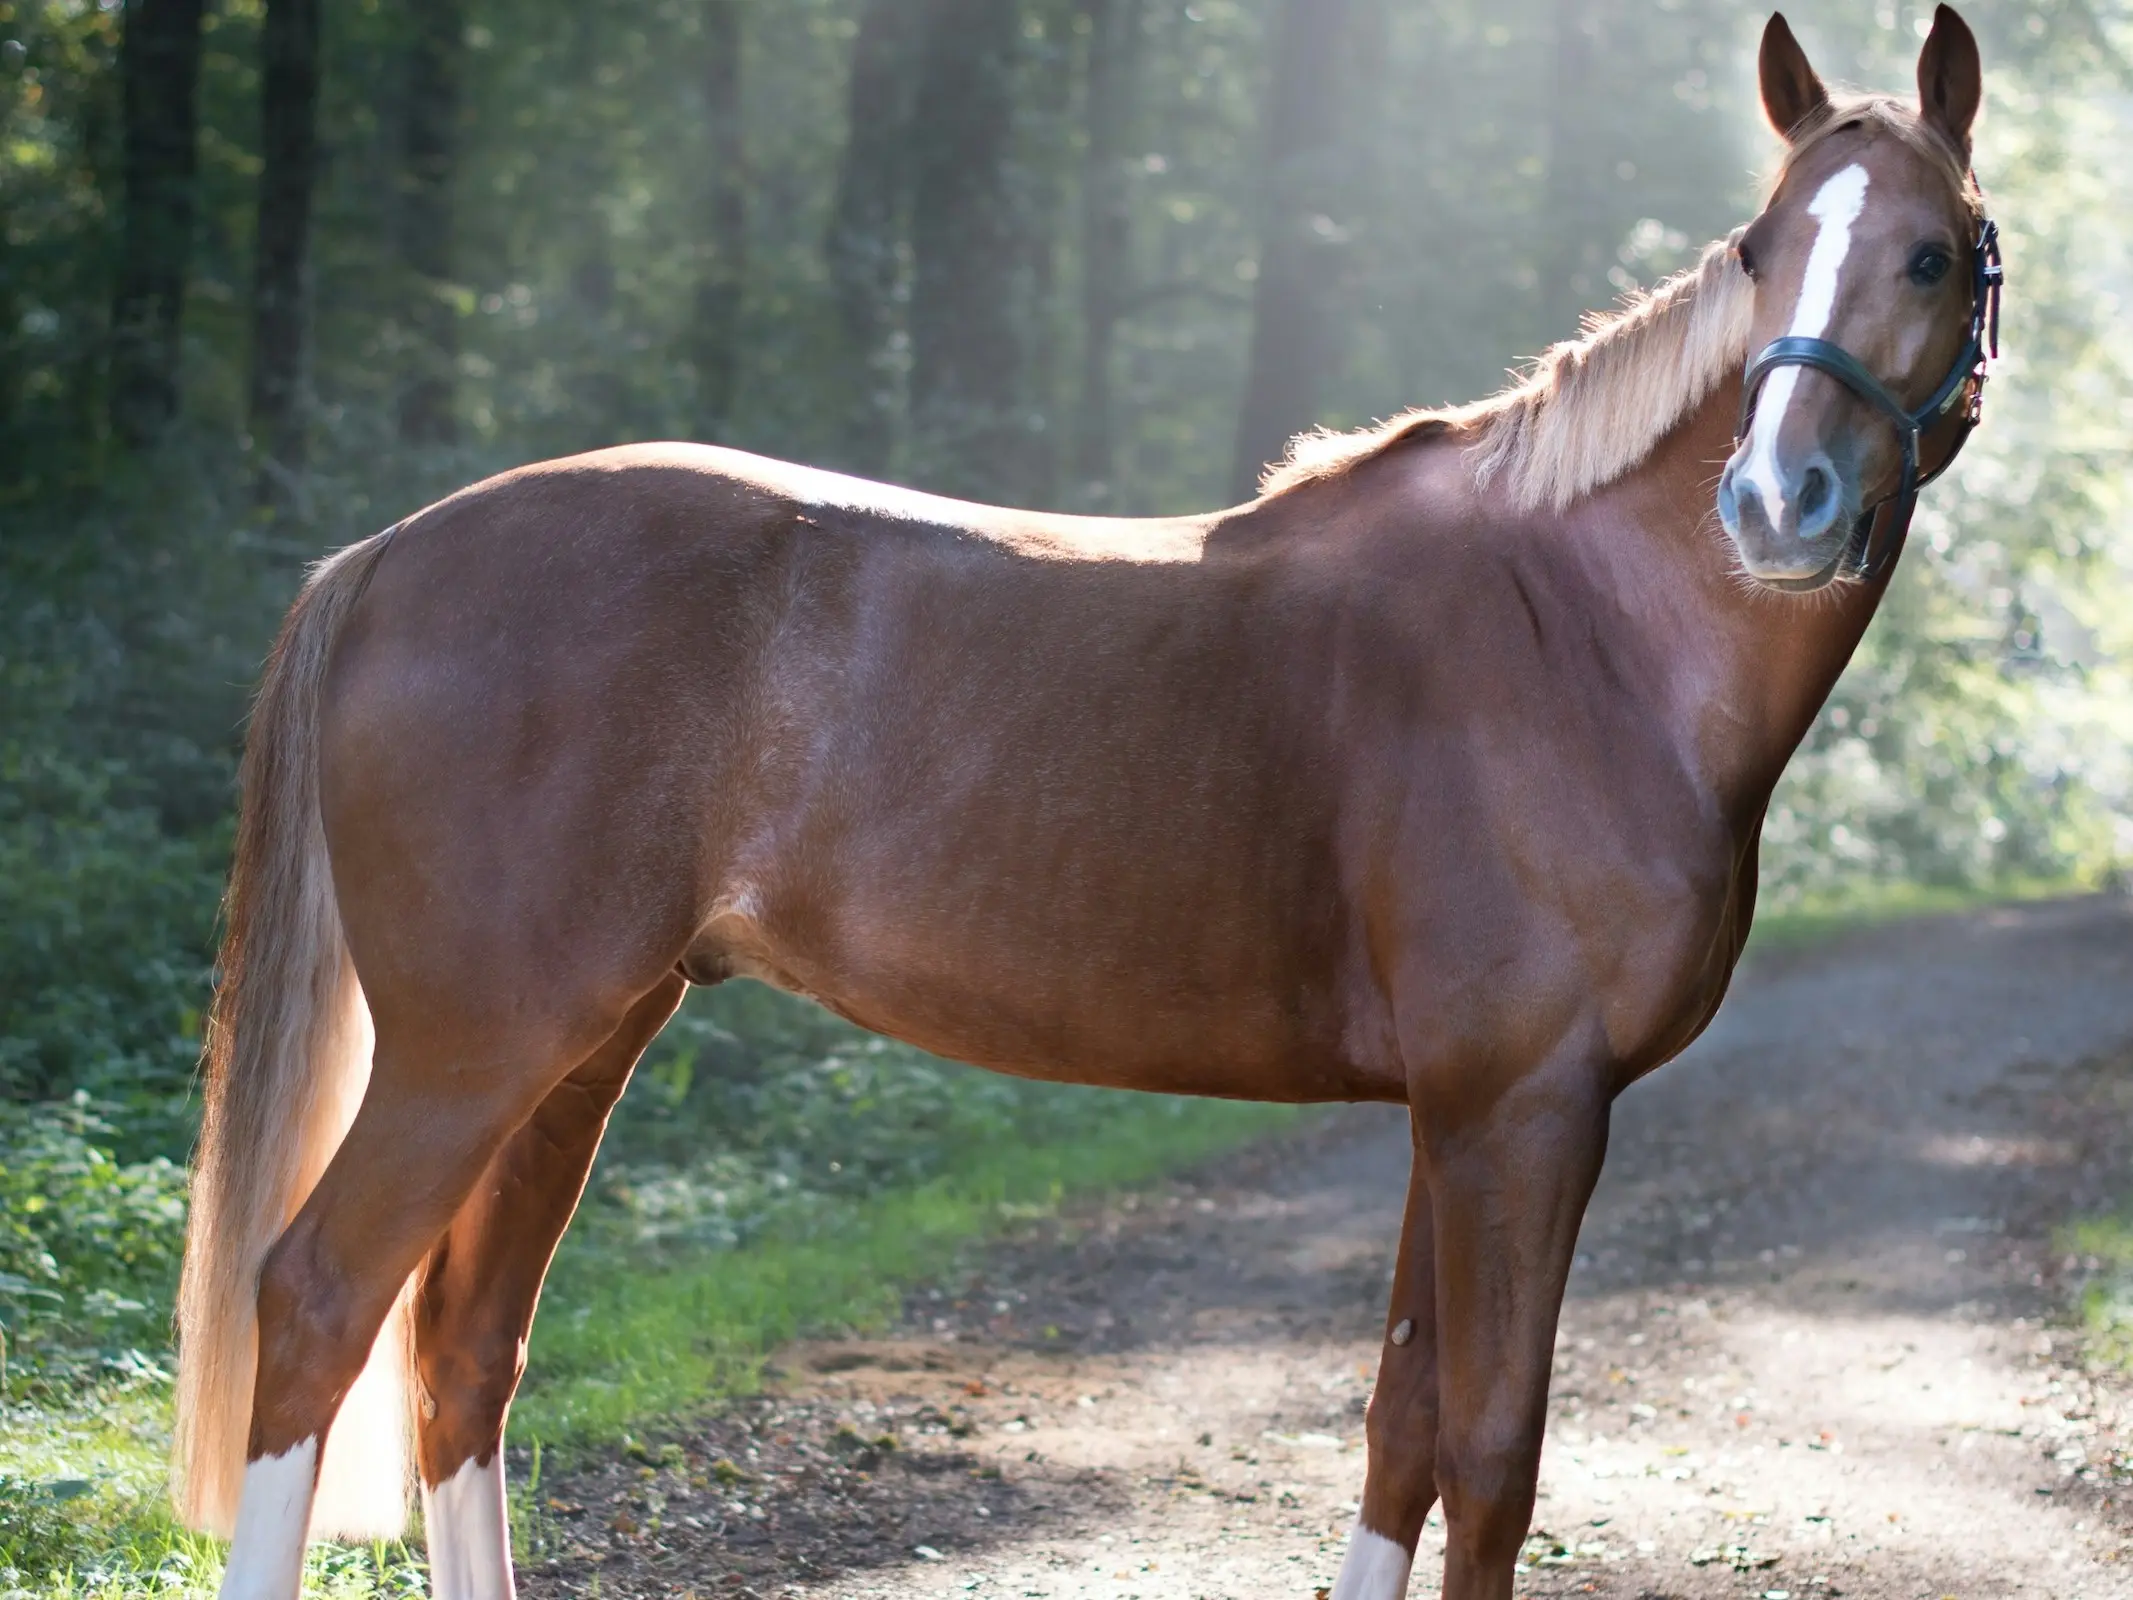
(1593,408)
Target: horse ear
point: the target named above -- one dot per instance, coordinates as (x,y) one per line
(1950,81)
(1791,91)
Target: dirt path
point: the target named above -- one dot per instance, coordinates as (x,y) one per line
(1812,1344)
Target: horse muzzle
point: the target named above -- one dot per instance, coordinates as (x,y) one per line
(1790,521)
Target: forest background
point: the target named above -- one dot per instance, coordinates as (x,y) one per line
(277,272)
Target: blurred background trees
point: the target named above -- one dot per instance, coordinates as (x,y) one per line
(278,271)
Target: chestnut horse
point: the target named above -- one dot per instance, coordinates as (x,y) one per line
(1434,776)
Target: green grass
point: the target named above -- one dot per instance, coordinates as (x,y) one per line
(2103,1247)
(1811,920)
(624,1339)
(617,1344)
(84,1511)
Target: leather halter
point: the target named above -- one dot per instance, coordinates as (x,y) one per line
(1869,552)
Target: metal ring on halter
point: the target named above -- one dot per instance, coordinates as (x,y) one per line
(1869,556)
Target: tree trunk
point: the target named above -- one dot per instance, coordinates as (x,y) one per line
(862,247)
(288,107)
(967,431)
(429,159)
(1114,30)
(159,74)
(722,260)
(1300,256)
(11,364)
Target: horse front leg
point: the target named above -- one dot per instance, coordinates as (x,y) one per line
(1508,1186)
(1400,1482)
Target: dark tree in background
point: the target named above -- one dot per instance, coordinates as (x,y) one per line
(1005,247)
(434,66)
(288,142)
(159,72)
(722,263)
(863,250)
(967,428)
(1294,337)
(1114,45)
(10,369)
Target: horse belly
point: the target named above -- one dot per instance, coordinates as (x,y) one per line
(1107,1000)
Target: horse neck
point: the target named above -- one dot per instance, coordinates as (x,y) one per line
(1748,667)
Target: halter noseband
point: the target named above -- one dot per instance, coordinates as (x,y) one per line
(1867,555)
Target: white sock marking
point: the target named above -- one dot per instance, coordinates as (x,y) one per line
(1376,1568)
(469,1532)
(273,1515)
(1835,207)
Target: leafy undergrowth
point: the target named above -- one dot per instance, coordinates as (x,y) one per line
(775,1172)
(2099,1250)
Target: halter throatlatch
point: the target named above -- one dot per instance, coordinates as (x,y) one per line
(1876,540)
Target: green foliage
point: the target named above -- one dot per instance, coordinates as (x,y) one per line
(84,1512)
(2100,1252)
(126,644)
(89,1248)
(810,1222)
(56,104)
(104,920)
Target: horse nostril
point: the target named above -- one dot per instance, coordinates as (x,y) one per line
(1817,489)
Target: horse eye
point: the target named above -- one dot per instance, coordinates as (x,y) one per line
(1747,263)
(1930,265)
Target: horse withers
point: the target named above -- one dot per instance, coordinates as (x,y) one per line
(1434,775)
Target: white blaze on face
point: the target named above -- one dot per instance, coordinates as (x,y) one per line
(468,1530)
(1835,207)
(273,1516)
(1376,1568)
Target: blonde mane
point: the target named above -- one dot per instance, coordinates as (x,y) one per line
(1592,408)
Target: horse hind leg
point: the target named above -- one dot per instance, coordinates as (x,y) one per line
(475,1303)
(443,1096)
(1400,1481)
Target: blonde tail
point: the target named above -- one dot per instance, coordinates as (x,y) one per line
(287,1059)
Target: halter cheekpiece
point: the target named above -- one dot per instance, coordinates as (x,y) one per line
(1866,554)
